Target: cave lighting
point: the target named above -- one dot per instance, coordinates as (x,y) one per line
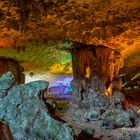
(55,80)
(108,92)
(61,80)
(138,111)
(88,72)
(45,76)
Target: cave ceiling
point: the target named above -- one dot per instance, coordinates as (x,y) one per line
(112,23)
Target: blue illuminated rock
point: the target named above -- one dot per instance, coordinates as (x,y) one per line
(6,82)
(93,115)
(114,118)
(109,110)
(27,114)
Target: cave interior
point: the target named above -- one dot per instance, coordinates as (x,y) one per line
(70,70)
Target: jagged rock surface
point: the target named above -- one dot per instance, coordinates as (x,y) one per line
(26,114)
(116,118)
(109,110)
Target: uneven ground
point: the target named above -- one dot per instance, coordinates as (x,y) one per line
(103,134)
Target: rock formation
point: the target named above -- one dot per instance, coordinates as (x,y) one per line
(87,134)
(97,90)
(111,23)
(26,114)
(103,64)
(109,111)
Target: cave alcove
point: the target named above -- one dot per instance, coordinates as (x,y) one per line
(12,65)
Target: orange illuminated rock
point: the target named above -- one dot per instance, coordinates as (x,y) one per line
(6,43)
(101,61)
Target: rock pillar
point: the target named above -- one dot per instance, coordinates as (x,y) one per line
(98,66)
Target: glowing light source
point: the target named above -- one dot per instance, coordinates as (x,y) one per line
(138,111)
(88,72)
(108,91)
(61,67)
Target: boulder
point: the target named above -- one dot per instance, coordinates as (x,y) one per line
(103,101)
(87,134)
(93,114)
(115,118)
(27,114)
(108,123)
(117,99)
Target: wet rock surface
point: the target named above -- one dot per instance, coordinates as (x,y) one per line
(27,114)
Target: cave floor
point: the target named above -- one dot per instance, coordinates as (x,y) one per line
(64,111)
(102,134)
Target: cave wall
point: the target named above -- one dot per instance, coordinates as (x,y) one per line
(9,64)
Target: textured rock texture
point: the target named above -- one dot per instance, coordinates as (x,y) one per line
(115,118)
(97,91)
(99,22)
(110,111)
(26,113)
(87,134)
(111,23)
